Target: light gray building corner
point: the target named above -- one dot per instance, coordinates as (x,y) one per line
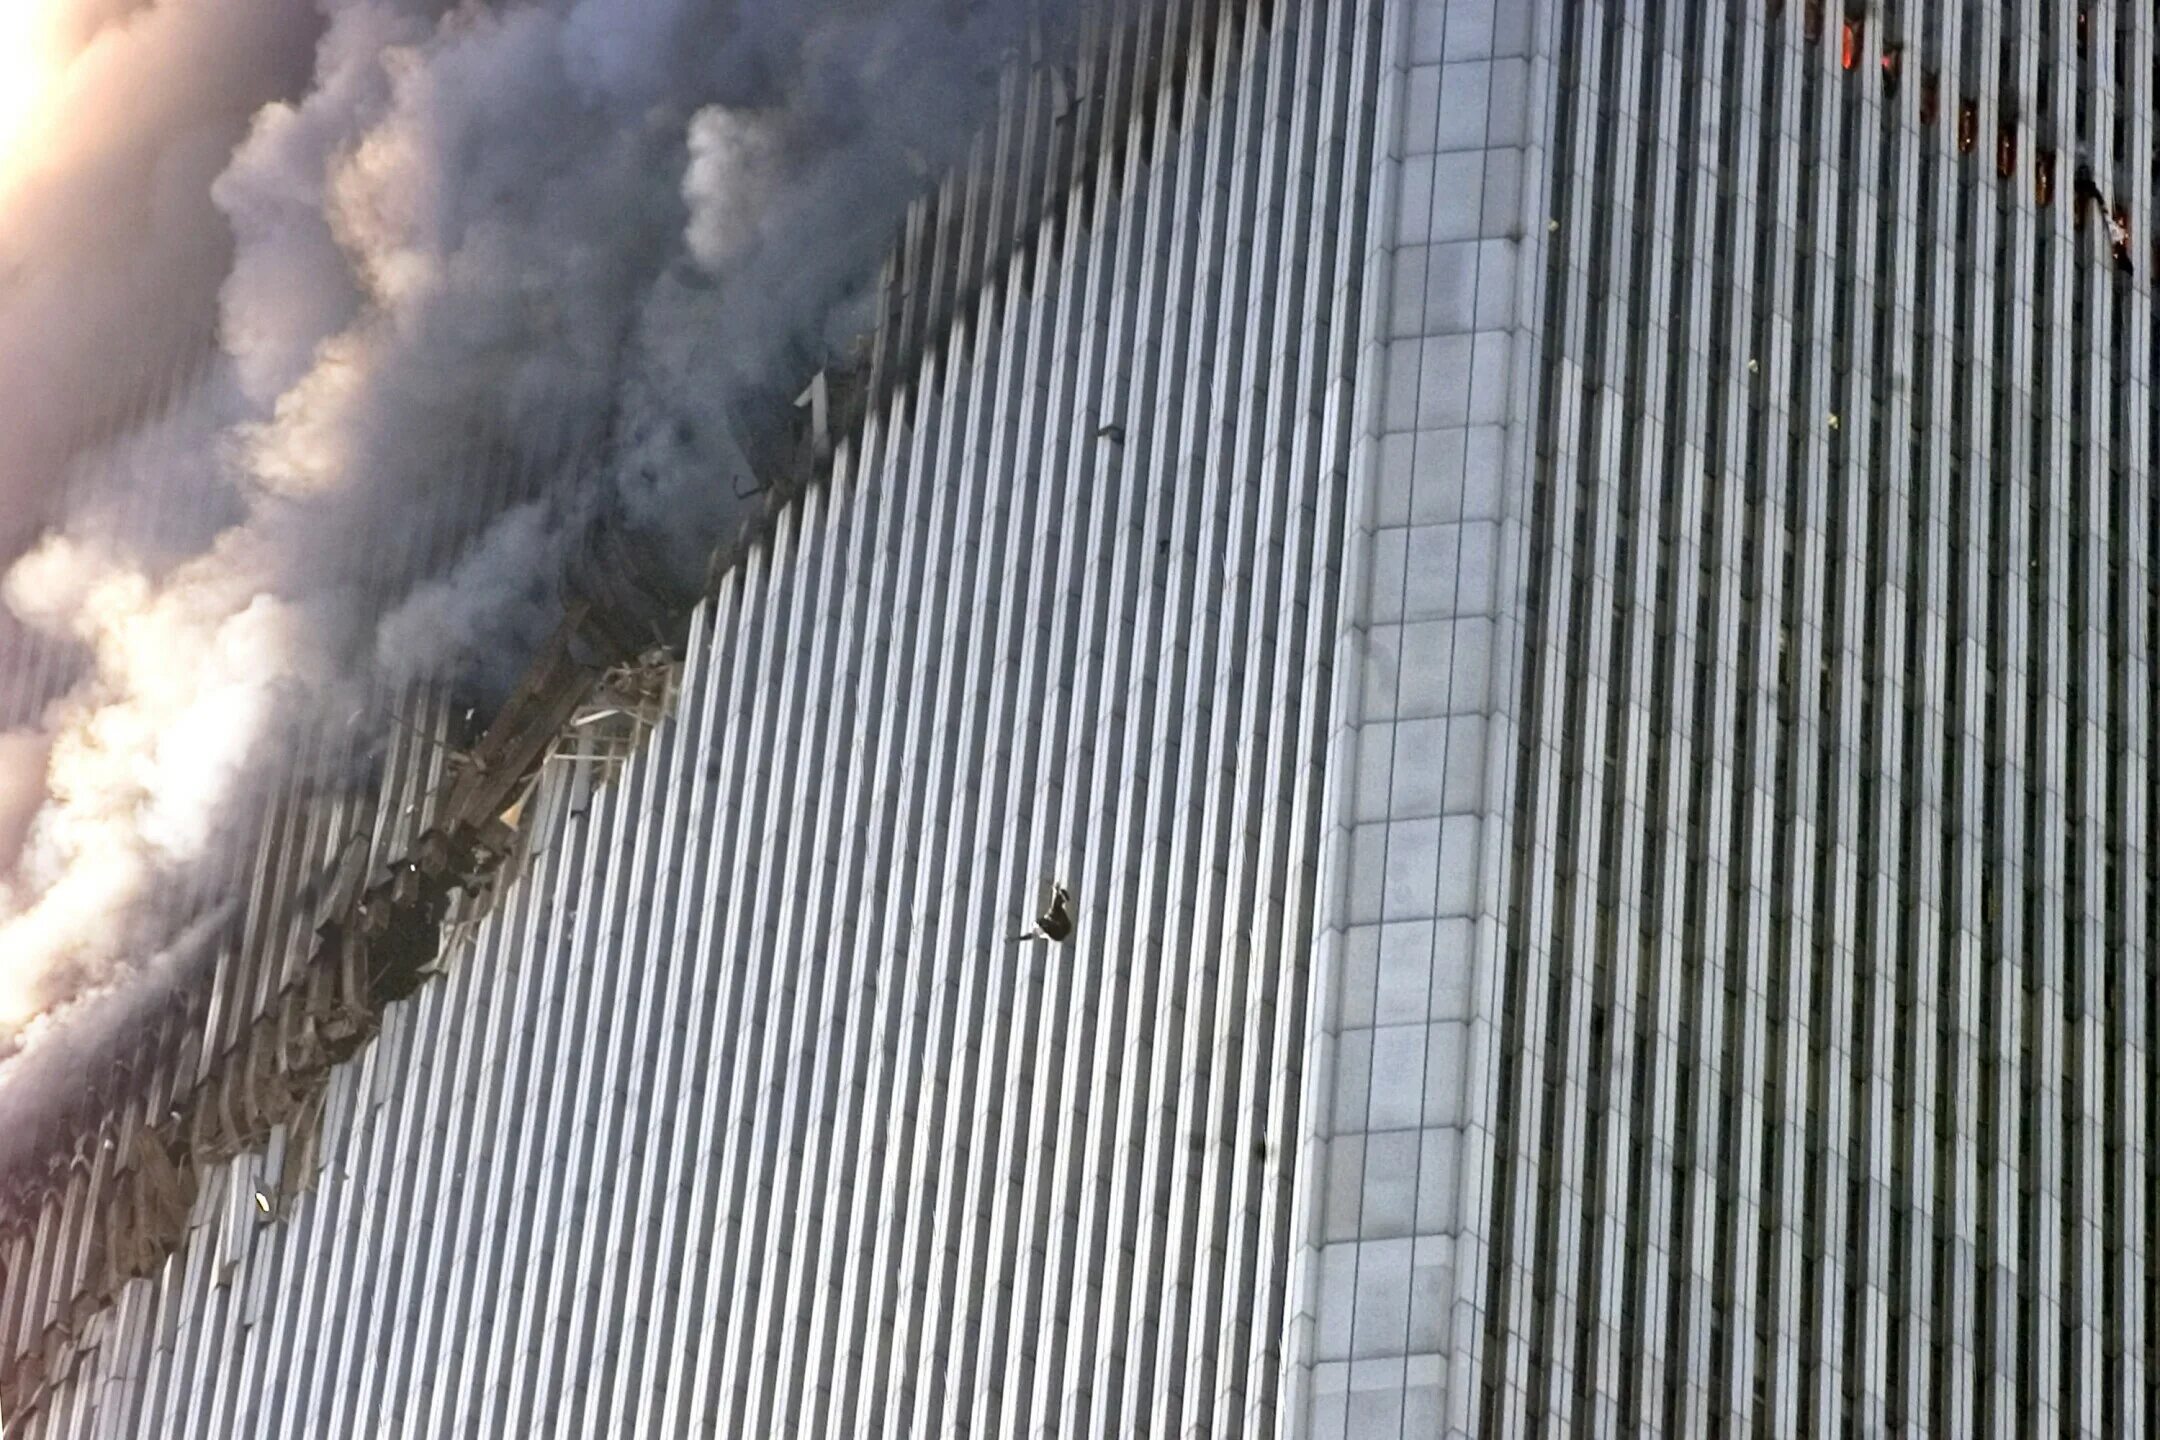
(1412,913)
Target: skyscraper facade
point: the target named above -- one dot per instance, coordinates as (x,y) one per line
(1818,1069)
(1459,748)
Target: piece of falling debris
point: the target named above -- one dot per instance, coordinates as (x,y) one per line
(1115,434)
(1055,924)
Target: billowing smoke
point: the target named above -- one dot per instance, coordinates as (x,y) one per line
(22,787)
(329,331)
(111,251)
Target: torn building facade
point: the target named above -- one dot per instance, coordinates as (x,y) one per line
(1562,589)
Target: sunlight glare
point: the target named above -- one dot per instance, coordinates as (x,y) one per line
(26,73)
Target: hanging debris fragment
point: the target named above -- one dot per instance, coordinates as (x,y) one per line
(813,422)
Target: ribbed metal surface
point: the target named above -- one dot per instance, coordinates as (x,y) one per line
(741,1114)
(1566,583)
(1826,1047)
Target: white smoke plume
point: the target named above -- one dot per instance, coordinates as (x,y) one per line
(289,289)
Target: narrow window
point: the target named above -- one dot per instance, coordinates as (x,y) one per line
(2085,194)
(2119,235)
(2006,150)
(1849,53)
(1968,125)
(2044,177)
(1893,65)
(1930,97)
(1811,21)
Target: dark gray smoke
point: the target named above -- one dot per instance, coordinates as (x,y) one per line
(488,277)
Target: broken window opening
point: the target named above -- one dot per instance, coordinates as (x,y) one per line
(2006,150)
(2044,177)
(1893,64)
(2085,192)
(1849,50)
(1968,126)
(2119,235)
